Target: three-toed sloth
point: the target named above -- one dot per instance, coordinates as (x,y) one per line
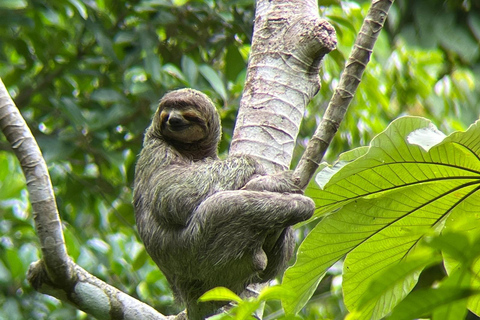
(208,222)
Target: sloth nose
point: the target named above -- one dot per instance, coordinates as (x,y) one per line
(176,121)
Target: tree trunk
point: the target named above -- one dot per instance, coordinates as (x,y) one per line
(289,42)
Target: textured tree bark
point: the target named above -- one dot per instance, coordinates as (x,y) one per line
(92,295)
(289,42)
(44,207)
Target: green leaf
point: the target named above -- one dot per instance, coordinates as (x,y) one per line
(455,245)
(459,41)
(5,275)
(342,21)
(143,290)
(72,111)
(327,172)
(220,294)
(12,181)
(73,246)
(82,9)
(153,65)
(107,96)
(99,245)
(54,149)
(327,3)
(140,260)
(11,309)
(389,198)
(460,252)
(459,279)
(15,263)
(246,309)
(102,39)
(234,63)
(243,310)
(13,4)
(392,284)
(474,24)
(274,293)
(190,70)
(212,77)
(179,3)
(221,316)
(173,71)
(421,302)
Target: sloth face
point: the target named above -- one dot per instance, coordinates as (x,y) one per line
(183,124)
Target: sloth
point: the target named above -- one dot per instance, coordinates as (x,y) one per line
(208,222)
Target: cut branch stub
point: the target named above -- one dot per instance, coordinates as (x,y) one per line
(289,42)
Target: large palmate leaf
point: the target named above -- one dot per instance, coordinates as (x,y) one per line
(409,180)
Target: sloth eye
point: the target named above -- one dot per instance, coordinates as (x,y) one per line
(163,117)
(192,118)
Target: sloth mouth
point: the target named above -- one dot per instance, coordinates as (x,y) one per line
(178,127)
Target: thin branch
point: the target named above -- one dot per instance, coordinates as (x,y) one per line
(349,81)
(56,274)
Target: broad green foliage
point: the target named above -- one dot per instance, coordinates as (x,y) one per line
(409,185)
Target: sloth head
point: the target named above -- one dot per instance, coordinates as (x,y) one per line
(188,120)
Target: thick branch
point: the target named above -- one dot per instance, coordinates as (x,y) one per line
(45,214)
(288,44)
(349,81)
(56,274)
(92,295)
